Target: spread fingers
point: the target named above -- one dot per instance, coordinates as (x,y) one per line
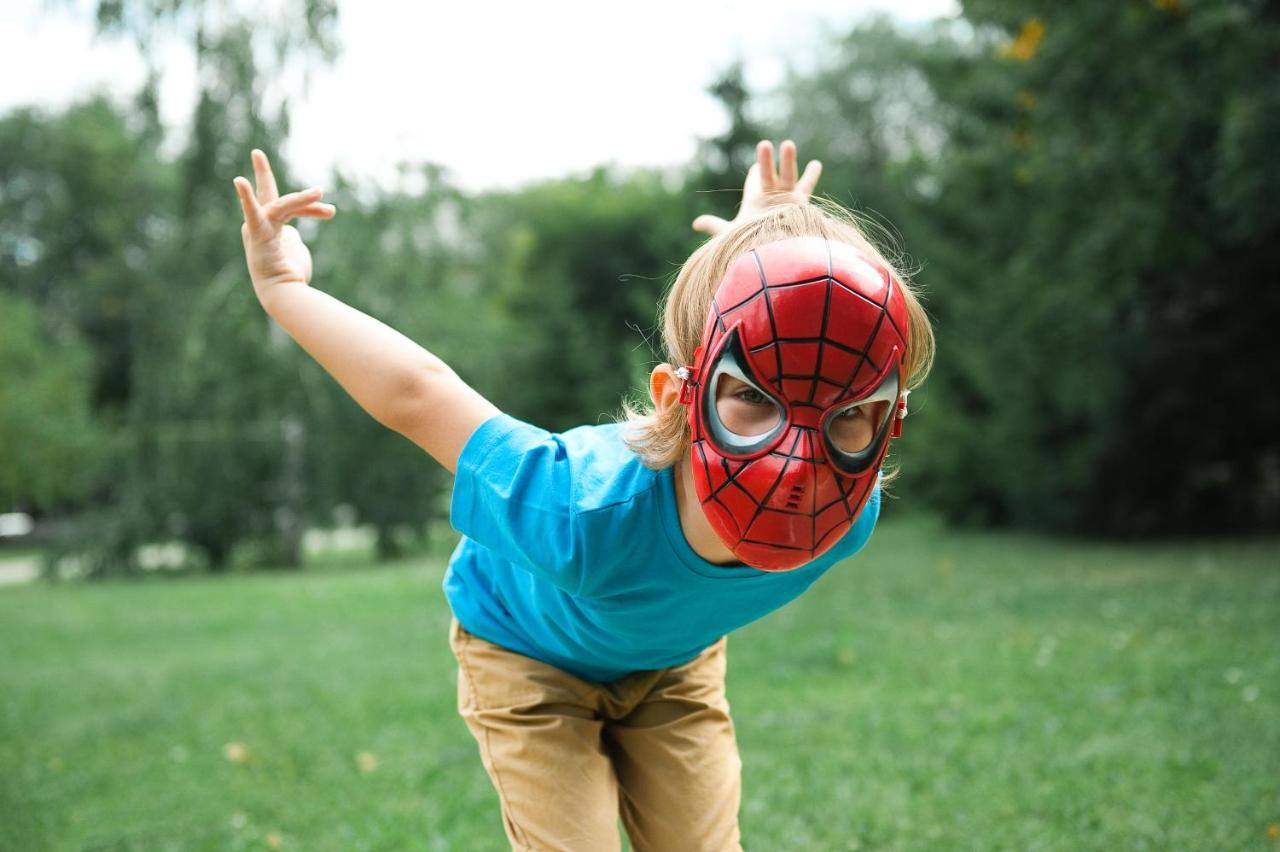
(318,210)
(287,206)
(764,159)
(253,216)
(787,165)
(267,190)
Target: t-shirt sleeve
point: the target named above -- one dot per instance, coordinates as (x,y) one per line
(513,494)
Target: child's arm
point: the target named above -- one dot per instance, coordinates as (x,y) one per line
(403,386)
(766,187)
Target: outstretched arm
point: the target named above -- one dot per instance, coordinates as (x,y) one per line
(402,385)
(766,186)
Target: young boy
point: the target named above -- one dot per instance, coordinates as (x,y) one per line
(600,569)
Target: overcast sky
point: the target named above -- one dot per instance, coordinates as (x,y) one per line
(499,93)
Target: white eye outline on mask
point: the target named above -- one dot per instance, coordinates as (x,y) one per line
(726,440)
(854,463)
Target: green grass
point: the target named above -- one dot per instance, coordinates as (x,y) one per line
(942,691)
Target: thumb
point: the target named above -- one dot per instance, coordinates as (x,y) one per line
(709,224)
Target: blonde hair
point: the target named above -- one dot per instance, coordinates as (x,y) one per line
(662,438)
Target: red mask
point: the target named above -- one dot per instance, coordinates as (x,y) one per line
(804,338)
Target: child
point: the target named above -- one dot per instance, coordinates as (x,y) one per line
(600,569)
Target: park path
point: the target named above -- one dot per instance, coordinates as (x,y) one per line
(16,570)
(21,569)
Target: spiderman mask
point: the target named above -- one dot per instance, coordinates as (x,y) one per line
(795,395)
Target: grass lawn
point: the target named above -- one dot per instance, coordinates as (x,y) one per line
(941,691)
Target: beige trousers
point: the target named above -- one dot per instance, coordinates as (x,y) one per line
(569,757)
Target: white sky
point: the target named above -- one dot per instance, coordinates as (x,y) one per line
(499,93)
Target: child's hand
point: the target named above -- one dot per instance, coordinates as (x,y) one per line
(274,250)
(765,187)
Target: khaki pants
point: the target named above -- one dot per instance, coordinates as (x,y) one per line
(568,757)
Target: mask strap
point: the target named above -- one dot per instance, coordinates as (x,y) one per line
(688,377)
(901,414)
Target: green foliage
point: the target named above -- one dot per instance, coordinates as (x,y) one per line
(941,690)
(397,258)
(49,444)
(309,33)
(577,267)
(723,160)
(138,256)
(868,112)
(81,214)
(1085,194)
(1119,320)
(1082,192)
(86,267)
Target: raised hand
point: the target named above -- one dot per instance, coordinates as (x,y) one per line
(273,249)
(766,186)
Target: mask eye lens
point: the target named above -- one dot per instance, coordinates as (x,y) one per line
(743,409)
(740,416)
(855,434)
(852,429)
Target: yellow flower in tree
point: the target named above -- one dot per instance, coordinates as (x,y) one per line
(1273,831)
(1023,48)
(274,840)
(367,761)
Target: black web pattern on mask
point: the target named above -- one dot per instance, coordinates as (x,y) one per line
(846,487)
(863,354)
(845,484)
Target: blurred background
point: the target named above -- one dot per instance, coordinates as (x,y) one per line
(1086,194)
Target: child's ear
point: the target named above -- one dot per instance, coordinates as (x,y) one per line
(664,387)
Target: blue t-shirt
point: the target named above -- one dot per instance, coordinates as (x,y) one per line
(572,553)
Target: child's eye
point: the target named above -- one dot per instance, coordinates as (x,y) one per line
(852,412)
(751,396)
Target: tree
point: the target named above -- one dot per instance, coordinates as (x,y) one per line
(49,443)
(1144,249)
(577,267)
(83,200)
(715,182)
(396,257)
(206,415)
(1081,186)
